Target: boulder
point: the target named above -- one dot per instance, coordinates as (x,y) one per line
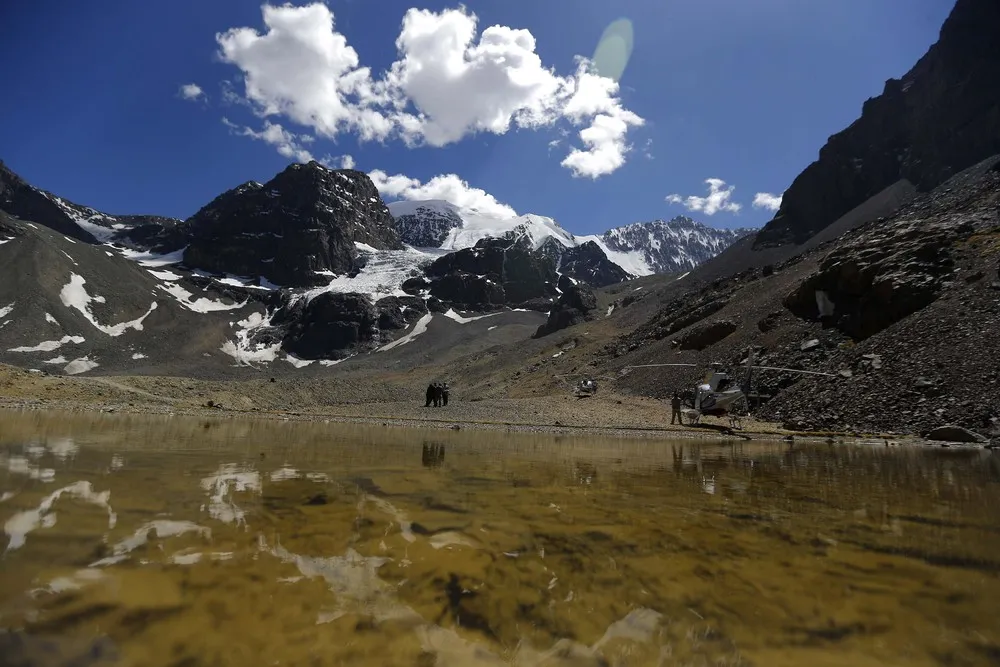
(881,275)
(953,433)
(706,335)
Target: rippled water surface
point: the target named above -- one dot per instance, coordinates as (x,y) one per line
(168,541)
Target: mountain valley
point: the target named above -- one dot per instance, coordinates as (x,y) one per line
(878,279)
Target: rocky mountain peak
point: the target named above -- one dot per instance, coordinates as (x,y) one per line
(939,119)
(21,200)
(294,230)
(678,244)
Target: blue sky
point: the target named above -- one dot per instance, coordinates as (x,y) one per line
(744,91)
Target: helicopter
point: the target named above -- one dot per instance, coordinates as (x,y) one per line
(718,394)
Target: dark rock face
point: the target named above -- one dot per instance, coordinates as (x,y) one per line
(306,219)
(23,201)
(330,326)
(575,305)
(588,263)
(427,226)
(881,276)
(706,335)
(153,232)
(396,312)
(496,272)
(941,117)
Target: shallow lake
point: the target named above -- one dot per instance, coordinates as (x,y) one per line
(174,541)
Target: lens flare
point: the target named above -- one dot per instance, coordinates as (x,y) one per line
(614,50)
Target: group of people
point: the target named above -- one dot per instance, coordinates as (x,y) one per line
(437,394)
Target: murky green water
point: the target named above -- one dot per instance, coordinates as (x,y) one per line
(166,541)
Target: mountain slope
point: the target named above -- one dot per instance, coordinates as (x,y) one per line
(941,117)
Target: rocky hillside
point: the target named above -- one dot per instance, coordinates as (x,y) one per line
(900,314)
(941,117)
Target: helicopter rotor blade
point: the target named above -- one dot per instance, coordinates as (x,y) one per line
(792,370)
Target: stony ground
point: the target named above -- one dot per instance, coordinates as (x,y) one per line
(609,413)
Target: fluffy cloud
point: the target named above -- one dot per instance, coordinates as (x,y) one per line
(767,201)
(719,199)
(287,143)
(346,162)
(191,91)
(448,187)
(445,85)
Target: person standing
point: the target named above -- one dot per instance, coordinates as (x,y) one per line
(437,394)
(430,395)
(675,405)
(444,394)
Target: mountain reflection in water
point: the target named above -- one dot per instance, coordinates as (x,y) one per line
(169,541)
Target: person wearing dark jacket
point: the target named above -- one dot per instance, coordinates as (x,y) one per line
(430,395)
(444,394)
(437,394)
(675,404)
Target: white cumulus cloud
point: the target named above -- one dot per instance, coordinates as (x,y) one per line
(346,162)
(448,187)
(191,91)
(719,199)
(767,201)
(287,143)
(447,83)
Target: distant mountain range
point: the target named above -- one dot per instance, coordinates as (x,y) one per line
(329,269)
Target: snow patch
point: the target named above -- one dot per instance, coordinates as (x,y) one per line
(165,275)
(48,318)
(81,365)
(298,363)
(56,360)
(633,261)
(451,314)
(153,259)
(137,356)
(243,350)
(382,276)
(5,311)
(74,295)
(199,305)
(611,309)
(50,345)
(419,328)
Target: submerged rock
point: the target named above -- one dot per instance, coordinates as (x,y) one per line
(954,433)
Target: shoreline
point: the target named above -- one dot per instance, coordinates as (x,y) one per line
(718,433)
(391,404)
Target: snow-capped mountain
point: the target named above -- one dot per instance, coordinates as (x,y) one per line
(638,249)
(666,246)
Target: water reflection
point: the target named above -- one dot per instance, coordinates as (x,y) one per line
(172,541)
